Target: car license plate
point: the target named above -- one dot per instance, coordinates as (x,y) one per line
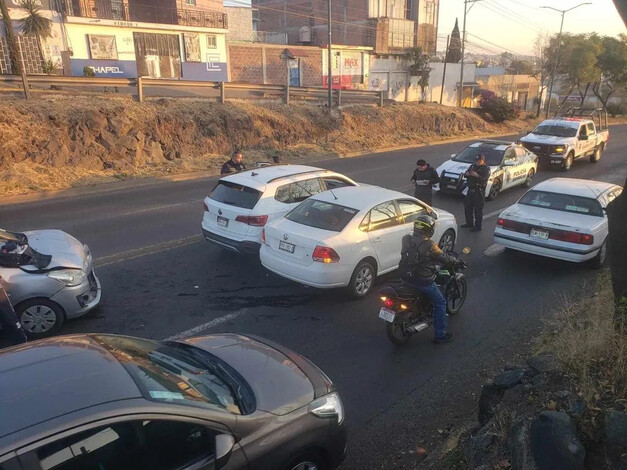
(542,234)
(556,161)
(286,246)
(451,186)
(387,315)
(223,221)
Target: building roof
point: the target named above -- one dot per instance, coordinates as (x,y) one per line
(575,187)
(50,378)
(361,197)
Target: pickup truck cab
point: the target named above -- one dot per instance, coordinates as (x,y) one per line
(562,140)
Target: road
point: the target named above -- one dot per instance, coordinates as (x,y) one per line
(160,280)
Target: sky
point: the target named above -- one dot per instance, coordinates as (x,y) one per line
(513,25)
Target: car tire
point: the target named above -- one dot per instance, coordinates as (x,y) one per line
(568,162)
(599,260)
(494,190)
(308,461)
(362,280)
(529,181)
(596,156)
(40,317)
(447,238)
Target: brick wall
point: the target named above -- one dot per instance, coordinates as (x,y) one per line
(30,52)
(240,23)
(247,64)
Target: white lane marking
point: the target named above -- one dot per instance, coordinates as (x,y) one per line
(205,326)
(157,208)
(495,213)
(494,250)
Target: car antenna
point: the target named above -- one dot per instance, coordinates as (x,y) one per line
(333,194)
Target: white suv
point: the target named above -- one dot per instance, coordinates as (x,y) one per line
(241,204)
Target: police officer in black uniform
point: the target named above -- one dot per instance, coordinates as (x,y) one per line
(12,332)
(477,177)
(233,165)
(424,178)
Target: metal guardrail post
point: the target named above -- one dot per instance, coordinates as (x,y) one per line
(287,94)
(381,99)
(339,97)
(222,92)
(140,89)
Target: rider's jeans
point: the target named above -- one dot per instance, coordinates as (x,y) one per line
(439,307)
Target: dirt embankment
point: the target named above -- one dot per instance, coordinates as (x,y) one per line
(58,142)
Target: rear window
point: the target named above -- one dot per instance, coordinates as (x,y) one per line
(322,215)
(235,194)
(562,202)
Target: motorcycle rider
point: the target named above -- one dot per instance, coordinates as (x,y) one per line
(419,256)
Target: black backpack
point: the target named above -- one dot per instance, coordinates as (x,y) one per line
(409,259)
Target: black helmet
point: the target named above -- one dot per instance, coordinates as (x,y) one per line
(424,224)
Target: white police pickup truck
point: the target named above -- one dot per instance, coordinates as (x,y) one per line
(510,165)
(562,140)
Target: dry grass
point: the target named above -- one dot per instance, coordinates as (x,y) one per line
(591,346)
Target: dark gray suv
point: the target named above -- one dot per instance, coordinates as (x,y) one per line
(105,402)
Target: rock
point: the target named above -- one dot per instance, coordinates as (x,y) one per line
(545,362)
(554,442)
(107,140)
(514,395)
(95,121)
(154,152)
(616,433)
(120,126)
(491,396)
(540,380)
(519,447)
(509,378)
(128,142)
(478,448)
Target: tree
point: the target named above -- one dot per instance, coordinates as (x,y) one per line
(578,64)
(544,57)
(612,63)
(521,67)
(506,59)
(14,48)
(419,67)
(35,23)
(455,46)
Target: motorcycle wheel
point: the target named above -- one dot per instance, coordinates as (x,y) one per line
(456,296)
(396,334)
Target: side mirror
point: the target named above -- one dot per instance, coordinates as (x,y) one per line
(434,214)
(466,250)
(453,155)
(224,447)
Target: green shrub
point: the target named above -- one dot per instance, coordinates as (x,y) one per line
(89,72)
(616,109)
(49,67)
(499,109)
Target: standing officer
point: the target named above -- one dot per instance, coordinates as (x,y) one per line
(477,177)
(11,327)
(233,165)
(424,178)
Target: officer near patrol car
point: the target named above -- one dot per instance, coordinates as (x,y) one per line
(424,178)
(477,177)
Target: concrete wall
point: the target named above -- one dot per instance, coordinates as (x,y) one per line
(518,89)
(240,23)
(449,97)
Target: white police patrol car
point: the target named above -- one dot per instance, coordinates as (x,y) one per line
(510,165)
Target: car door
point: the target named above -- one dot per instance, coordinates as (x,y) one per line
(144,443)
(385,233)
(510,162)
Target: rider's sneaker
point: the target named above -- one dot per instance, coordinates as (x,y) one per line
(447,338)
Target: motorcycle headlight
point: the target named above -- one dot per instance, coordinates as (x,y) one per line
(328,406)
(69,277)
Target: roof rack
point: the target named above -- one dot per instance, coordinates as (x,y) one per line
(596,115)
(293,174)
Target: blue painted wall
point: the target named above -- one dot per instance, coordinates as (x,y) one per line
(105,68)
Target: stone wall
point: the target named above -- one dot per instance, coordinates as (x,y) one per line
(30,52)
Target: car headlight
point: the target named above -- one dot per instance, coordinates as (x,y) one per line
(559,149)
(69,277)
(328,406)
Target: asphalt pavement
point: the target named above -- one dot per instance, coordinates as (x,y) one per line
(161,280)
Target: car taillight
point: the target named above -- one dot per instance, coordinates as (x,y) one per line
(326,255)
(263,236)
(205,206)
(253,220)
(511,225)
(571,237)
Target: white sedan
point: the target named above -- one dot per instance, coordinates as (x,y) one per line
(560,218)
(347,237)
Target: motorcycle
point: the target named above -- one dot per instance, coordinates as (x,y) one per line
(407,312)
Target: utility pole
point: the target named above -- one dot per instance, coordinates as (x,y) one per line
(461,72)
(559,47)
(330,60)
(444,71)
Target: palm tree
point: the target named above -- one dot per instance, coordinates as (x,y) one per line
(14,50)
(35,23)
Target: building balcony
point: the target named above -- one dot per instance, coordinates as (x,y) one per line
(132,12)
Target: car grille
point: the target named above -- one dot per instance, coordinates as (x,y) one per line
(539,149)
(451,183)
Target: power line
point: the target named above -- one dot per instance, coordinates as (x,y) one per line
(515,20)
(517,15)
(493,44)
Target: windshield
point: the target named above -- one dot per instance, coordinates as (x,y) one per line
(235,195)
(323,215)
(557,130)
(562,202)
(178,373)
(493,155)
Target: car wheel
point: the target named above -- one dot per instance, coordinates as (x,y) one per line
(599,260)
(495,189)
(40,317)
(596,156)
(362,280)
(310,461)
(529,180)
(568,162)
(447,241)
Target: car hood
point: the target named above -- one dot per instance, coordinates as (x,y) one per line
(444,215)
(66,251)
(458,168)
(545,139)
(279,384)
(551,218)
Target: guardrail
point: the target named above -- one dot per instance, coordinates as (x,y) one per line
(221,91)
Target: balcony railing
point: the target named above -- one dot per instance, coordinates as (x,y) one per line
(116,10)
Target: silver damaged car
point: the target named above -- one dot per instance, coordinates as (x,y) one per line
(49,277)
